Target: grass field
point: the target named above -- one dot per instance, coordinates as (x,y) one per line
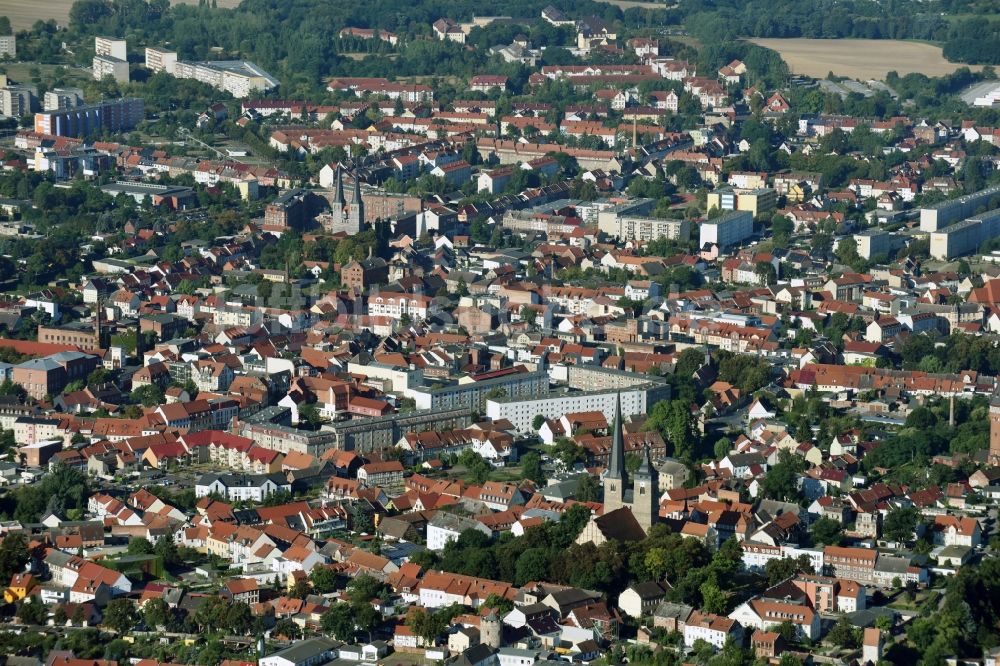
(21,72)
(629,4)
(860,58)
(23,13)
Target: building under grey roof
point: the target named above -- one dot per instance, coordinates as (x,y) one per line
(302,653)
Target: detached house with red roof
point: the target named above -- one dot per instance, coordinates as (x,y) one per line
(763,613)
(957,531)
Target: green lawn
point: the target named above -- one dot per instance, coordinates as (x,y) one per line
(21,72)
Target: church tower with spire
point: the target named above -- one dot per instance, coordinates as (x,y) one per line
(646,492)
(616,478)
(640,494)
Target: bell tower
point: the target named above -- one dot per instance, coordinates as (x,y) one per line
(646,492)
(616,478)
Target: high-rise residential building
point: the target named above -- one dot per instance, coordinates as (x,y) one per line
(16,101)
(8,46)
(59,99)
(114,115)
(116,68)
(160,60)
(730,228)
(108,46)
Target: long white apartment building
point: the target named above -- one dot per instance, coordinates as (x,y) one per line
(631,221)
(940,215)
(474,394)
(237,77)
(966,236)
(522,411)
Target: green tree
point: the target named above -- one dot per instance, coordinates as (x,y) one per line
(713,599)
(287,628)
(900,524)
(781,480)
(826,532)
(366,618)
(532,565)
(120,615)
(722,448)
(673,420)
(32,611)
(139,546)
(778,570)
(239,619)
(727,560)
(324,580)
(339,621)
(166,549)
(155,614)
(568,451)
(364,588)
(845,634)
(531,465)
(588,489)
(14,554)
(149,395)
(537,422)
(501,605)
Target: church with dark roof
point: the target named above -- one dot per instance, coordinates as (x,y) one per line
(631,501)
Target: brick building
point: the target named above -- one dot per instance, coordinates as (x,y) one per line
(360,275)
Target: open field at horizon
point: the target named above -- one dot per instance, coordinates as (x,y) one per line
(860,58)
(24,13)
(629,4)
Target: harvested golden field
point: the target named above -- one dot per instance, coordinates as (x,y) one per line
(860,58)
(23,13)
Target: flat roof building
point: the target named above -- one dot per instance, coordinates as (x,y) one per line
(726,230)
(160,60)
(116,68)
(115,115)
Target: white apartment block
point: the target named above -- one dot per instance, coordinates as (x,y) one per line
(15,101)
(116,68)
(106,46)
(521,413)
(160,60)
(61,99)
(966,236)
(726,230)
(646,229)
(237,77)
(8,46)
(757,555)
